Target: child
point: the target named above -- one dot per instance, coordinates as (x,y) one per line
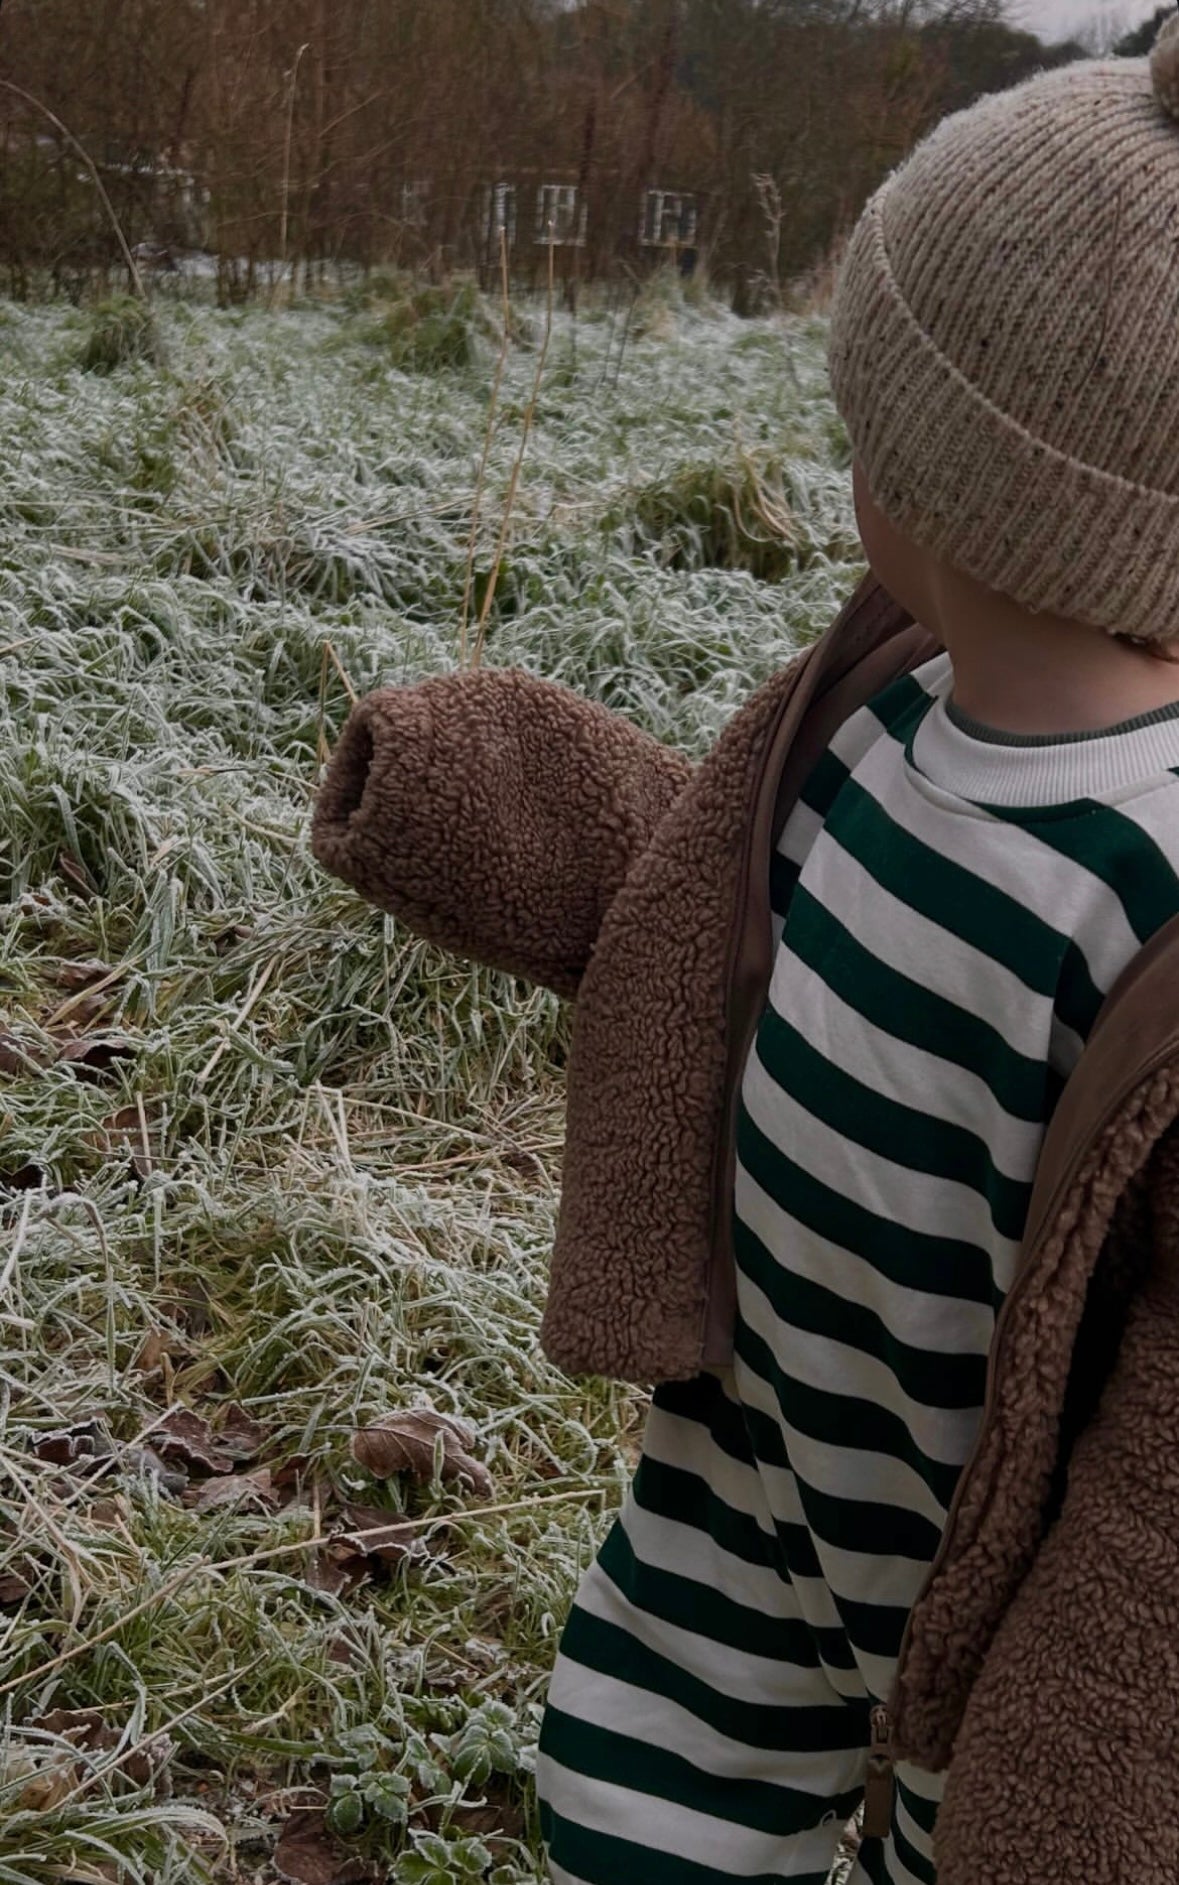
(979,855)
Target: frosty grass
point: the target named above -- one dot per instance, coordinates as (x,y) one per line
(315,1172)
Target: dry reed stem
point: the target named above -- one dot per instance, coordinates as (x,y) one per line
(286,173)
(83,153)
(488,435)
(514,482)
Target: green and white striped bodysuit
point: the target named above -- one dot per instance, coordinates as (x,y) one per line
(951,909)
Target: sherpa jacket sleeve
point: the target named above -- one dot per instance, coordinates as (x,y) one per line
(1067,1762)
(494,813)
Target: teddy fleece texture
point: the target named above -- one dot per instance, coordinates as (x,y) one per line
(511,821)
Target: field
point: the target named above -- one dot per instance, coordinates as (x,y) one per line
(271,1170)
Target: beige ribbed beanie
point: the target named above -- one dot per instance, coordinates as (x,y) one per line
(1005,343)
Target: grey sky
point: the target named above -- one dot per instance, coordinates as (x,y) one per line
(1057,19)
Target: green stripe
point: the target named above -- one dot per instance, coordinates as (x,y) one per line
(784,875)
(601,1859)
(899,710)
(912,1013)
(671,1492)
(624,1761)
(816,1728)
(704,1401)
(1078,998)
(946,893)
(885,1531)
(875,1629)
(934,1379)
(902,1134)
(701,1608)
(843,1420)
(1110,845)
(908,1257)
(825,782)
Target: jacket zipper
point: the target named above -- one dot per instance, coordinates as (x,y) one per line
(879,1787)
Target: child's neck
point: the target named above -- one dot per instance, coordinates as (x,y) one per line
(1023,673)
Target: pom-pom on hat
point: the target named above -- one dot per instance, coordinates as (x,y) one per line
(1005,343)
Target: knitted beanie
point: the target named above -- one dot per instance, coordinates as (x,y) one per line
(1005,343)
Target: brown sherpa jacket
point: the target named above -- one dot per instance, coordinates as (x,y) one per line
(514,822)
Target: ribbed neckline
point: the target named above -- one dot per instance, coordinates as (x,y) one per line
(991,736)
(971,761)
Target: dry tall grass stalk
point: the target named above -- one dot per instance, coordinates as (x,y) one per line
(488,436)
(514,482)
(83,153)
(286,173)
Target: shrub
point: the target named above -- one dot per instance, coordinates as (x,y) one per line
(121,329)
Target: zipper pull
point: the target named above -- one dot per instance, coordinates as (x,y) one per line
(878,1783)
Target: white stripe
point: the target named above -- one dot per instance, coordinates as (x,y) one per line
(688,1445)
(670,1545)
(799,833)
(1072,900)
(893,1067)
(610,1702)
(919,1318)
(942,1434)
(923,951)
(918,1201)
(760,1681)
(853,1473)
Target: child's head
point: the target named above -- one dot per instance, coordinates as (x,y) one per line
(1005,345)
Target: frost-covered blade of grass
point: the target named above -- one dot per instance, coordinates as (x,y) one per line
(258,1148)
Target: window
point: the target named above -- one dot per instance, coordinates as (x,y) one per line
(667,220)
(499,214)
(415,202)
(560,215)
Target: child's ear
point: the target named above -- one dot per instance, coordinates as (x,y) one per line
(895,560)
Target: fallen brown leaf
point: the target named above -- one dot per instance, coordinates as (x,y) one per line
(13,1588)
(239,1434)
(404,1442)
(26,1177)
(88,1440)
(74,975)
(17,1058)
(92,1057)
(75,874)
(236,1490)
(123,1135)
(308,1854)
(183,1435)
(391,1540)
(154,1347)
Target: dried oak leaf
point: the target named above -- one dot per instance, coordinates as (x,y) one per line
(16,1058)
(152,1352)
(92,1057)
(237,1490)
(239,1434)
(76,874)
(87,1441)
(88,1730)
(27,1177)
(308,1854)
(75,975)
(335,1569)
(183,1435)
(374,1534)
(404,1442)
(126,1134)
